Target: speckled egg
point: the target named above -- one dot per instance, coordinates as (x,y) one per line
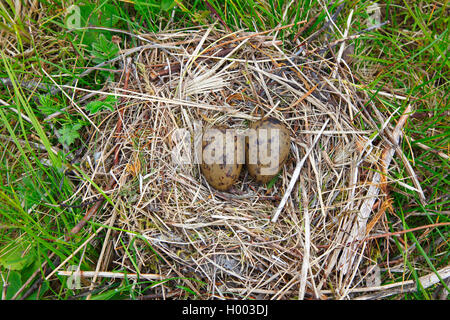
(267,148)
(223,153)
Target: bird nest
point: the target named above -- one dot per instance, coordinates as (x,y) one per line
(304,234)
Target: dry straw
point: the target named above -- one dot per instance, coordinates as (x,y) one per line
(227,239)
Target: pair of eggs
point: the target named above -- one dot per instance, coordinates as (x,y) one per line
(264,149)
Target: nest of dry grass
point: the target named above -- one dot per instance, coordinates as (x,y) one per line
(316,247)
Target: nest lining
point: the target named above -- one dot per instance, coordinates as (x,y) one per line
(226,239)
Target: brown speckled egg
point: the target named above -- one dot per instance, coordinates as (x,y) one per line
(221,166)
(262,163)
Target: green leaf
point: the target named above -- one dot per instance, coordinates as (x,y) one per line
(105,295)
(96,106)
(29,191)
(143,7)
(41,292)
(103,49)
(201,16)
(69,133)
(109,16)
(14,284)
(106,15)
(166,5)
(271,183)
(187,289)
(47,105)
(15,259)
(29,270)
